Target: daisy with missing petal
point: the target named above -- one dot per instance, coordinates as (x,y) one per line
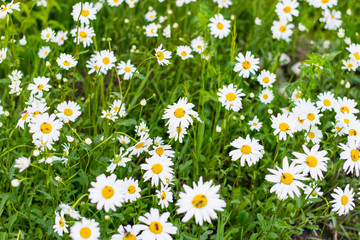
(246,64)
(156,226)
(131,190)
(287,180)
(66,61)
(248,150)
(22,163)
(67,210)
(350,65)
(109,114)
(46,128)
(60,225)
(162,151)
(178,133)
(83,34)
(230,97)
(119,160)
(87,229)
(157,169)
(126,233)
(282,30)
(84,12)
(283,124)
(119,108)
(326,101)
(312,191)
(266,96)
(351,155)
(180,114)
(44,51)
(48,34)
(296,95)
(162,56)
(343,200)
(255,124)
(266,78)
(141,146)
(106,192)
(61,37)
(219,26)
(126,69)
(286,9)
(40,84)
(164,195)
(200,201)
(312,161)
(184,52)
(151,30)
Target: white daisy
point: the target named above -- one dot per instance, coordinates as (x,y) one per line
(162,56)
(126,69)
(164,195)
(266,78)
(131,190)
(246,64)
(66,61)
(157,169)
(68,110)
(60,225)
(230,97)
(119,160)
(343,200)
(283,124)
(184,52)
(219,26)
(84,12)
(128,232)
(248,150)
(87,229)
(22,163)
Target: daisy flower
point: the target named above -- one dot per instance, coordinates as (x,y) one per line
(345,105)
(141,146)
(314,135)
(45,127)
(106,59)
(120,160)
(48,34)
(283,124)
(219,26)
(109,114)
(60,225)
(115,3)
(266,78)
(68,111)
(164,195)
(83,34)
(22,163)
(162,56)
(180,114)
(266,96)
(246,64)
(124,139)
(255,124)
(312,191)
(230,97)
(331,19)
(287,180)
(66,209)
(3,52)
(343,200)
(162,151)
(106,192)
(178,133)
(350,65)
(66,61)
(198,45)
(156,226)
(200,201)
(223,3)
(184,52)
(61,37)
(40,84)
(44,51)
(126,69)
(127,233)
(150,16)
(167,31)
(325,4)
(131,190)
(87,229)
(326,101)
(84,12)
(286,9)
(354,50)
(282,30)
(248,150)
(296,95)
(313,161)
(119,108)
(151,30)
(351,155)
(157,169)
(307,113)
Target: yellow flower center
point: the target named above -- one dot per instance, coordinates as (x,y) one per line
(344,200)
(84,13)
(199,47)
(131,189)
(297,95)
(357,56)
(163,195)
(127,69)
(265,96)
(246,149)
(352,132)
(106,60)
(199,201)
(311,116)
(284,126)
(85,232)
(255,124)
(25,116)
(327,102)
(36,113)
(350,65)
(355,155)
(230,97)
(287,9)
(46,53)
(347,121)
(66,63)
(266,80)
(159,151)
(40,86)
(83,34)
(338,129)
(157,168)
(45,128)
(139,145)
(4,9)
(287,178)
(68,112)
(107,192)
(155,227)
(179,112)
(311,161)
(246,65)
(178,130)
(160,56)
(282,28)
(311,135)
(220,26)
(344,109)
(325,1)
(109,115)
(96,68)
(128,236)
(61,222)
(184,54)
(48,35)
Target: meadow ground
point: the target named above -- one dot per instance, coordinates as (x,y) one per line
(186,119)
